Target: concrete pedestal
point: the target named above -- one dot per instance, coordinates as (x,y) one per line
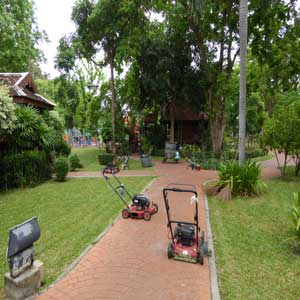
(26,284)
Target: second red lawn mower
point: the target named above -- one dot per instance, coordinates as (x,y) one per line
(140,208)
(185,243)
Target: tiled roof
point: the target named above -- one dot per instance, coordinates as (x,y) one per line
(12,78)
(18,87)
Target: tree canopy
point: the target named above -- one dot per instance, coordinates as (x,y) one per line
(19,36)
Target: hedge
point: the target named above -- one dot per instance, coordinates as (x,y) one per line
(27,168)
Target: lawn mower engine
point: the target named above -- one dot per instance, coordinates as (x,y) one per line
(185,234)
(141,201)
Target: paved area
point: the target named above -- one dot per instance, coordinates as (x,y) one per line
(130,261)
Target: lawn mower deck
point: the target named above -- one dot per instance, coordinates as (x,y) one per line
(140,208)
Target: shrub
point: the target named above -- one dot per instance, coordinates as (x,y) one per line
(189,150)
(62,148)
(61,168)
(74,162)
(242,180)
(27,168)
(296,215)
(106,158)
(31,131)
(7,112)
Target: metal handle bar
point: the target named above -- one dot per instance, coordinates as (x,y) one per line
(181,222)
(181,184)
(165,190)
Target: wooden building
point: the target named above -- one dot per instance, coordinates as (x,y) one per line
(23,90)
(182,124)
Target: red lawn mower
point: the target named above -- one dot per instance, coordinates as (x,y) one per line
(140,208)
(185,244)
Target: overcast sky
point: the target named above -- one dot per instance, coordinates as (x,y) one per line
(53,16)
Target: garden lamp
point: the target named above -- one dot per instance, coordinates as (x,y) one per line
(20,248)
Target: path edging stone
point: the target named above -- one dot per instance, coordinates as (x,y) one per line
(214,286)
(89,247)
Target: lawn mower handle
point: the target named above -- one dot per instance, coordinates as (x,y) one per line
(175,189)
(176,185)
(165,190)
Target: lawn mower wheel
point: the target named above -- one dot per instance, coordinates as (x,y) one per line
(147,216)
(125,213)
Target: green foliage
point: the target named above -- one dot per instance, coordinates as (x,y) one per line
(106,158)
(295,213)
(31,131)
(242,180)
(27,168)
(281,132)
(188,150)
(62,148)
(74,162)
(146,146)
(106,131)
(61,168)
(19,35)
(7,112)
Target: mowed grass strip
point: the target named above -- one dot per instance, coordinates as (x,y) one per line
(71,215)
(254,258)
(89,159)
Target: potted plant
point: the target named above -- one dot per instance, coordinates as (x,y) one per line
(146,160)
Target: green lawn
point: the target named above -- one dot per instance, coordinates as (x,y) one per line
(262,158)
(89,158)
(254,260)
(71,215)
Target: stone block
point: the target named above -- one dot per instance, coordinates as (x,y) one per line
(26,284)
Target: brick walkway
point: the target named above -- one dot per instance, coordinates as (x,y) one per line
(130,261)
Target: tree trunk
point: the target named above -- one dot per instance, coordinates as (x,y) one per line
(172,118)
(216,122)
(217,127)
(243,91)
(113,112)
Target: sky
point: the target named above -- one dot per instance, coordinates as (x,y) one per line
(53,16)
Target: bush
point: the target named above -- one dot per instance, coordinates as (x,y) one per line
(106,158)
(296,217)
(242,180)
(62,148)
(27,168)
(189,150)
(74,162)
(7,112)
(61,168)
(206,159)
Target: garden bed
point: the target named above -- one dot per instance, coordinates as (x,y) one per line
(254,260)
(71,216)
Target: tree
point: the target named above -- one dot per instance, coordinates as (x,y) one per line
(214,25)
(281,133)
(243,80)
(7,113)
(162,73)
(19,36)
(107,25)
(64,92)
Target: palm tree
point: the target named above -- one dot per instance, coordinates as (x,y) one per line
(243,62)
